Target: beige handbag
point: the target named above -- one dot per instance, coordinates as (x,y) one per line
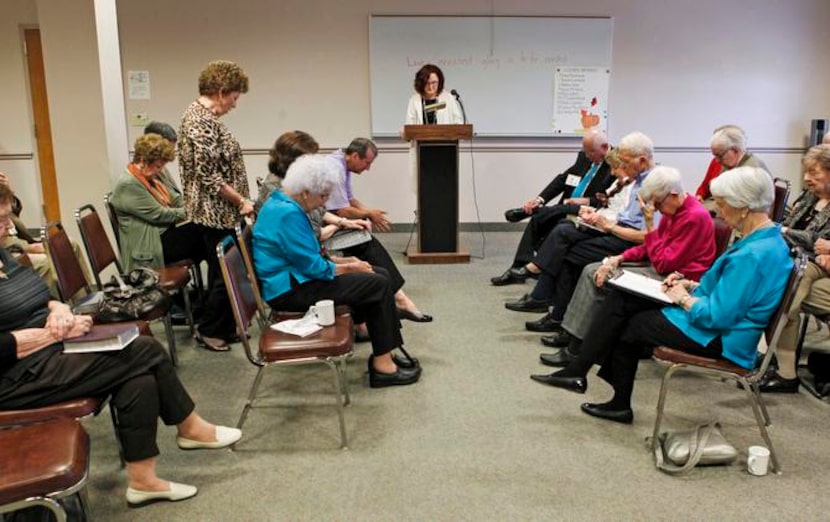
(678,452)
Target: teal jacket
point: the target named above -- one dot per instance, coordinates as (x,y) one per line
(738,295)
(286,247)
(142,219)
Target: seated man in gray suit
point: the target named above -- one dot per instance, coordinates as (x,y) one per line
(578,185)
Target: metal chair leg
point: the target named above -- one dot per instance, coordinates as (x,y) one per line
(756,391)
(661,404)
(344,382)
(188,310)
(338,392)
(251,395)
(171,338)
(773,459)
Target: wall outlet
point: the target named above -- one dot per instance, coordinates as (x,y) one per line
(139,119)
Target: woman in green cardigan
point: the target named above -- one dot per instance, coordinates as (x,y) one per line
(150,209)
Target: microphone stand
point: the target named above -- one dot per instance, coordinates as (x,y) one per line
(463,112)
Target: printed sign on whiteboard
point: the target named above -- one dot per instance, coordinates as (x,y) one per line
(580,99)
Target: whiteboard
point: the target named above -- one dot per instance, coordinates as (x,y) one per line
(504,68)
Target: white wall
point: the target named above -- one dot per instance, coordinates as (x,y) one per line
(679,69)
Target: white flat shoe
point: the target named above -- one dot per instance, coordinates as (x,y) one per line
(137,498)
(224,437)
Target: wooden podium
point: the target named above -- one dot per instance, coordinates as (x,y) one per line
(437,153)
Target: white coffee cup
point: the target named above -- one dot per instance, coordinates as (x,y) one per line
(757,460)
(324,310)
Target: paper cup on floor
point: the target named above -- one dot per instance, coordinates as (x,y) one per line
(757,461)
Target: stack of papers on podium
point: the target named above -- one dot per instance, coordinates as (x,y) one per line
(299,327)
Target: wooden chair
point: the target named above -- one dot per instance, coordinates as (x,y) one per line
(782,194)
(101,255)
(329,346)
(42,463)
(677,360)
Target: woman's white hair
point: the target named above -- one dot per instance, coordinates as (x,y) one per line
(315,173)
(744,187)
(661,182)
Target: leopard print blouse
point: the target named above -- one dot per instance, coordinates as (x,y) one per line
(208,156)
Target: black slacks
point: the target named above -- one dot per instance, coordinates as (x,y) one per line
(375,254)
(140,378)
(627,327)
(540,225)
(183,242)
(369,295)
(217,316)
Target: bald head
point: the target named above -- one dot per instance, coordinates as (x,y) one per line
(826,139)
(595,145)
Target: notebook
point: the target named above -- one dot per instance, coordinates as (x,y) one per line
(641,285)
(343,239)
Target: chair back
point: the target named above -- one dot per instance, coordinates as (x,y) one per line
(68,270)
(240,294)
(116,231)
(245,242)
(723,233)
(779,318)
(96,243)
(782,194)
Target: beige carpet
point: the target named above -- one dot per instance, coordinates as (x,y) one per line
(474,440)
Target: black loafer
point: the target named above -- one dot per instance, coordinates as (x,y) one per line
(528,304)
(574,384)
(559,359)
(401,377)
(559,339)
(544,325)
(776,384)
(514,215)
(405,361)
(417,318)
(512,276)
(603,411)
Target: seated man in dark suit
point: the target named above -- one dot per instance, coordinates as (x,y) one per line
(578,185)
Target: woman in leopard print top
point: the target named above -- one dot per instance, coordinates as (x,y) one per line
(215,185)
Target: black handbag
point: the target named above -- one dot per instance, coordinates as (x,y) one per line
(132,297)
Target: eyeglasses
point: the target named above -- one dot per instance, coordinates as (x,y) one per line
(433,82)
(658,204)
(721,155)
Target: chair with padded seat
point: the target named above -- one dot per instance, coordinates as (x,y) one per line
(43,463)
(723,234)
(329,346)
(101,255)
(678,360)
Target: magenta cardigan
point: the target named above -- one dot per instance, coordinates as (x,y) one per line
(683,242)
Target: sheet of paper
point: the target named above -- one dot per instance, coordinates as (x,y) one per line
(640,285)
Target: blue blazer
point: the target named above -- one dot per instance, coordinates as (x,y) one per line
(284,246)
(738,295)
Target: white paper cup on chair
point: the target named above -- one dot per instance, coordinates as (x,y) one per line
(757,460)
(324,310)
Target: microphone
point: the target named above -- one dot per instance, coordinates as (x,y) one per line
(458,99)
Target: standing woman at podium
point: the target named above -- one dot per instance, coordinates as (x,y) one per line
(429,105)
(425,106)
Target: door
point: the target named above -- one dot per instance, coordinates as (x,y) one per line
(42,127)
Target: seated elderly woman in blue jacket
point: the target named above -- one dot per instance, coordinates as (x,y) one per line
(721,317)
(295,275)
